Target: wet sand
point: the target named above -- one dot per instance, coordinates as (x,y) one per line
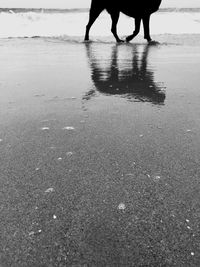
(99,153)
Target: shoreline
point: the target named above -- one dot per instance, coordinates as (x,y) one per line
(99,153)
(187,39)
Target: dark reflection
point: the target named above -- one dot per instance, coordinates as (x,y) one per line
(129,77)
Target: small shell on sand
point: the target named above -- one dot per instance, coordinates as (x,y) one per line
(156,178)
(31,233)
(69,128)
(121,206)
(49,190)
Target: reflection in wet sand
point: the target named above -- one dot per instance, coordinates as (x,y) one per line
(125,74)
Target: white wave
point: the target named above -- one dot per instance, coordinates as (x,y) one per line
(29,24)
(40,24)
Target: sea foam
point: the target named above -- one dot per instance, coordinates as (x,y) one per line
(71,23)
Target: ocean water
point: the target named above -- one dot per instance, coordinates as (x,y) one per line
(70,23)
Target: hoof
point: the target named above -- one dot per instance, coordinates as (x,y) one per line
(120,41)
(129,38)
(152,42)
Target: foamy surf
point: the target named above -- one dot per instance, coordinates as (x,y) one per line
(71,23)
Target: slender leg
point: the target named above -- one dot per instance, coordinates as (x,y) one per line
(137,30)
(94,13)
(115,18)
(146,21)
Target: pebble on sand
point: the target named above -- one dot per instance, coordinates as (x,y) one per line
(121,206)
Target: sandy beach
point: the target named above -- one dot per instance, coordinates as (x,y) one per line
(99,153)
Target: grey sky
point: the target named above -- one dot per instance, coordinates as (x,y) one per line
(83,3)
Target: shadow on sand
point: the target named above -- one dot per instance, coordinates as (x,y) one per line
(125,73)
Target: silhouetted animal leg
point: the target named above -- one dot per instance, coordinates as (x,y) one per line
(137,30)
(146,21)
(94,13)
(115,18)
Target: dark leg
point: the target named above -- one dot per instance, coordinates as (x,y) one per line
(137,30)
(146,21)
(94,13)
(115,18)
